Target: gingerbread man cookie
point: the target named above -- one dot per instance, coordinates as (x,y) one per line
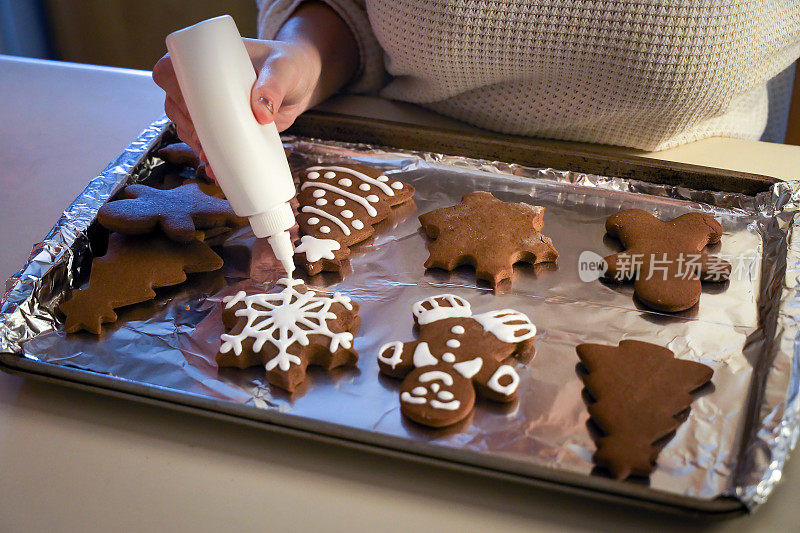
(667,259)
(489,234)
(639,391)
(458,354)
(339,205)
(182,154)
(181,213)
(288,330)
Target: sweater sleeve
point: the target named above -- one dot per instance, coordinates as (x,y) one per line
(371,74)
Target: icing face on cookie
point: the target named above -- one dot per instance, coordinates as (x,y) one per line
(343,203)
(470,350)
(282,331)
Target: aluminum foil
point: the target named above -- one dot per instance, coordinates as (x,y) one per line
(734,443)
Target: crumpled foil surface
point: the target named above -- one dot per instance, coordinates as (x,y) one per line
(734,443)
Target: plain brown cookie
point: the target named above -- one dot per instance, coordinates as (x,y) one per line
(457,355)
(288,330)
(127,274)
(181,213)
(487,233)
(667,259)
(339,206)
(639,391)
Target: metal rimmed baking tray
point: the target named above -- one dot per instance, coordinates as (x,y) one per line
(505,168)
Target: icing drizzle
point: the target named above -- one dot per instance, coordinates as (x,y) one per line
(325,214)
(283,319)
(371,211)
(387,190)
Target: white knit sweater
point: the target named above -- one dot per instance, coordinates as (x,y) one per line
(649,74)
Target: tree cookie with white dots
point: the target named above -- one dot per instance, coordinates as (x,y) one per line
(339,205)
(457,356)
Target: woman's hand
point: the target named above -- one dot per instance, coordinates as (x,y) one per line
(288,74)
(313,56)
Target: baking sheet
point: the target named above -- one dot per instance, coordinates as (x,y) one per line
(722,450)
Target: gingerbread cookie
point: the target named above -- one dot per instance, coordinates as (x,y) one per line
(288,330)
(667,259)
(339,205)
(180,213)
(489,234)
(639,391)
(458,354)
(127,274)
(182,154)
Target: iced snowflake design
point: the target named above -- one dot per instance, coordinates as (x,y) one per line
(283,319)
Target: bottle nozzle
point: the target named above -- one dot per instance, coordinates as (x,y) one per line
(281,244)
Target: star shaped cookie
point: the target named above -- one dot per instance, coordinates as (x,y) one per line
(288,330)
(489,234)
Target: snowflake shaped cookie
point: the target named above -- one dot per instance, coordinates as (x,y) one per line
(288,330)
(457,356)
(489,234)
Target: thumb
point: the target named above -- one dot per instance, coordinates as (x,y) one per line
(274,81)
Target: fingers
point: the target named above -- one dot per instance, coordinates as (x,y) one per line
(276,78)
(164,76)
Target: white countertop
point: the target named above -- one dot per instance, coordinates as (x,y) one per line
(76,461)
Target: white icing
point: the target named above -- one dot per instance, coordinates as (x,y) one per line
(345,182)
(322,201)
(383,178)
(339,202)
(397,185)
(330,175)
(458,330)
(324,229)
(357,224)
(406,397)
(372,198)
(347,213)
(435,387)
(419,391)
(507,325)
(312,175)
(377,182)
(422,356)
(457,308)
(313,221)
(436,375)
(448,357)
(453,343)
(445,395)
(447,406)
(371,211)
(319,193)
(316,249)
(364,187)
(323,214)
(505,390)
(397,353)
(283,319)
(469,368)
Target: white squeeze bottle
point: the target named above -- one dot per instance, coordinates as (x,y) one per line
(216,76)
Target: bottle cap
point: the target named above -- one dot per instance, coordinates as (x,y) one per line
(279,218)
